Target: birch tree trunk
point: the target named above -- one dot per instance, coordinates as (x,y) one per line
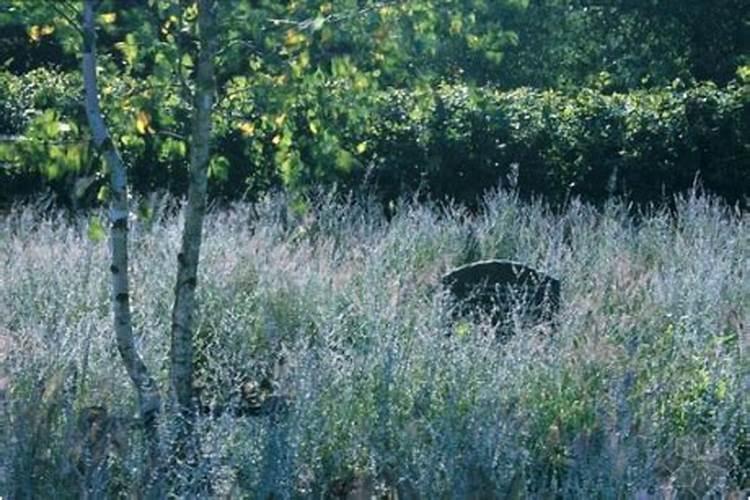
(183,311)
(149,400)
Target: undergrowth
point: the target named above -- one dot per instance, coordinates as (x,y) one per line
(639,388)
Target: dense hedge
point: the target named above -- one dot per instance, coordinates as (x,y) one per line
(641,144)
(456,142)
(449,142)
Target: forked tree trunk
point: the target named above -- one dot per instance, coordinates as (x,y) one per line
(183,311)
(149,400)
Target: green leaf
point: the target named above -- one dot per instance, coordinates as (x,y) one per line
(129,48)
(103,194)
(344,161)
(318,23)
(96,231)
(218,168)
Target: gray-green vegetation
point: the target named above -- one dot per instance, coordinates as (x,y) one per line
(641,390)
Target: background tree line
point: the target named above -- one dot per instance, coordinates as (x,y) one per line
(446,97)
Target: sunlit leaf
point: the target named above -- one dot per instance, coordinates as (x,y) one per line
(326,8)
(108,17)
(218,168)
(103,194)
(128,48)
(247,128)
(143,123)
(52,169)
(318,23)
(186,61)
(293,38)
(96,231)
(36,32)
(172,149)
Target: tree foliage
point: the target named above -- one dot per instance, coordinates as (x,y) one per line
(298,83)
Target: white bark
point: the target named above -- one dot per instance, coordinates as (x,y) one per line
(149,400)
(183,311)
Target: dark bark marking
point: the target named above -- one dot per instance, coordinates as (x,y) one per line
(114,269)
(107,144)
(120,224)
(122,297)
(149,418)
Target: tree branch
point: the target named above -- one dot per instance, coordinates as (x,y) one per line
(73,23)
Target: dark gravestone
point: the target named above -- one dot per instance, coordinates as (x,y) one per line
(496,288)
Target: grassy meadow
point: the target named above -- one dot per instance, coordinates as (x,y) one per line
(639,389)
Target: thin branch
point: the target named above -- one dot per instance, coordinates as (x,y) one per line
(73,23)
(16,139)
(288,22)
(12,139)
(333,18)
(172,134)
(238,41)
(307,23)
(70,5)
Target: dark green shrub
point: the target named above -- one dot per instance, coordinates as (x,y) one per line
(446,142)
(643,144)
(41,145)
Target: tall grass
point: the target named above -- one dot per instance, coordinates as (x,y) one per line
(640,389)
